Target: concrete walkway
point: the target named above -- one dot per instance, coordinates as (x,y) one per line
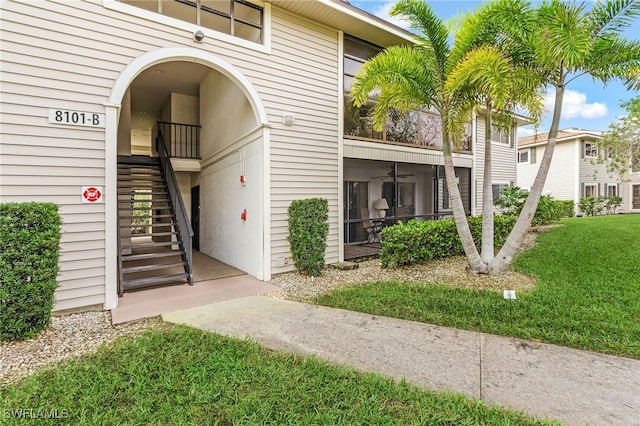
(573,386)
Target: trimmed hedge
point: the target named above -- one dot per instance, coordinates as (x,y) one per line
(419,241)
(308,230)
(565,208)
(30,241)
(595,206)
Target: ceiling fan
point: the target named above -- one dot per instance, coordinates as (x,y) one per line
(390,175)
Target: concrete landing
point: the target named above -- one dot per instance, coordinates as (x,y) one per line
(575,387)
(153,302)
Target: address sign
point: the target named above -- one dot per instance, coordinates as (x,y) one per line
(76,118)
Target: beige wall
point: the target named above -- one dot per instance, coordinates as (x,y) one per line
(503,164)
(68,55)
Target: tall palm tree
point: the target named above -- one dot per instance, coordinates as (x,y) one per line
(453,79)
(568,41)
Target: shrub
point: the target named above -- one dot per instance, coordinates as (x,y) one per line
(547,212)
(611,204)
(511,202)
(565,208)
(594,206)
(308,230)
(30,241)
(590,206)
(419,241)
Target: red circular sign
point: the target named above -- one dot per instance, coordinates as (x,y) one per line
(92,194)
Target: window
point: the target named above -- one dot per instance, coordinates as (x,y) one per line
(590,150)
(591,190)
(635,201)
(446,201)
(497,188)
(635,164)
(236,17)
(502,136)
(356,207)
(612,190)
(523,156)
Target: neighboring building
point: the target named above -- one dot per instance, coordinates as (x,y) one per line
(575,170)
(251,99)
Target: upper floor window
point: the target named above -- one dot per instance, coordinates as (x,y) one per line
(502,136)
(236,17)
(590,150)
(527,156)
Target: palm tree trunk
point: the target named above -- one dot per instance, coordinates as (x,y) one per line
(476,265)
(506,254)
(487,195)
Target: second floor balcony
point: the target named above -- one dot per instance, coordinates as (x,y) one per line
(416,128)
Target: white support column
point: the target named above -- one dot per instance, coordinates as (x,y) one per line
(111,206)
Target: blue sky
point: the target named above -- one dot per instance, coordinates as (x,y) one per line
(587,104)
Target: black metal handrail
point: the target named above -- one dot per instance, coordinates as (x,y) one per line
(182,140)
(184,225)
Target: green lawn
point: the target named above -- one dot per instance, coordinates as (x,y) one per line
(587,292)
(183,376)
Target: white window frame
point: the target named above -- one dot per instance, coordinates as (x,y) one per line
(590,150)
(504,137)
(523,156)
(590,185)
(500,185)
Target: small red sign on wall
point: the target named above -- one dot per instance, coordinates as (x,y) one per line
(92,194)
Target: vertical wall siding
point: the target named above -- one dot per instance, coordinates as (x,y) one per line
(68,55)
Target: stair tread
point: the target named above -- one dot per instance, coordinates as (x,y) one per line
(144,256)
(153,267)
(140,282)
(149,245)
(156,234)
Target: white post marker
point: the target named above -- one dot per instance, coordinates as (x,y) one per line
(509,295)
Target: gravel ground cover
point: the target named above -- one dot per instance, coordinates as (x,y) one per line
(67,337)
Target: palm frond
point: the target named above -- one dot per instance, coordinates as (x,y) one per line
(616,58)
(564,37)
(613,16)
(432,31)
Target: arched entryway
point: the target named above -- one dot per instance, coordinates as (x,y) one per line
(177,90)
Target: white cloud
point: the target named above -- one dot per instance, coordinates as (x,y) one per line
(524,132)
(575,105)
(382,11)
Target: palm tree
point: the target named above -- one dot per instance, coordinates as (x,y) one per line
(568,41)
(557,42)
(453,80)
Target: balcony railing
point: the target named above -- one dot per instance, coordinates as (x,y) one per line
(416,128)
(181,140)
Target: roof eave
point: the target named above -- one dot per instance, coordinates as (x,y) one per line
(350,19)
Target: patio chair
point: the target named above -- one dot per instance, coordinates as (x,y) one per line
(372,229)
